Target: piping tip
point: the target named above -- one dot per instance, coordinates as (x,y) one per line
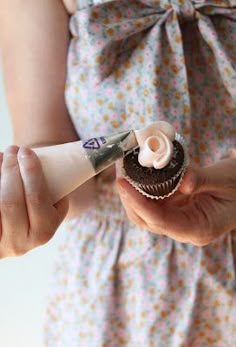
(104,151)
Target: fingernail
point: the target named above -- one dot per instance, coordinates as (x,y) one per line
(9,156)
(24,156)
(11,151)
(188,184)
(24,153)
(122,190)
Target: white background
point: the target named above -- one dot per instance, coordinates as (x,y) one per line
(24,281)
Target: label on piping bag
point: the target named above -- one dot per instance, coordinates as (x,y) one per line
(104,151)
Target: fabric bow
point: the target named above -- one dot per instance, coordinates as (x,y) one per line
(116,34)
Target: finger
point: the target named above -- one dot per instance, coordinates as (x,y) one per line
(159,216)
(132,216)
(13,209)
(231,153)
(43,216)
(141,205)
(215,178)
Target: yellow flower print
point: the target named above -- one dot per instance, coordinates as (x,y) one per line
(82,77)
(174,68)
(155,82)
(130,109)
(99,58)
(128,87)
(118,74)
(110,31)
(120,96)
(178,39)
(123,116)
(100,102)
(141,119)
(115,124)
(111,106)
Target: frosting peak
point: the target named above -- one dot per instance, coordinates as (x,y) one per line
(155,142)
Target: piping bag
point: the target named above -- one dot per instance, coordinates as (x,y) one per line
(67,166)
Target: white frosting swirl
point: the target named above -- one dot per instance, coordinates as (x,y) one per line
(155,142)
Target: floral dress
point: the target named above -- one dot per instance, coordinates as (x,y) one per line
(132,62)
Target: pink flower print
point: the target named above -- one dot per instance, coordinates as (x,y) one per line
(169,18)
(212,144)
(162,284)
(103,68)
(159,114)
(221,54)
(208,135)
(147,53)
(112,17)
(176,125)
(162,325)
(109,92)
(100,43)
(97,28)
(208,161)
(217,114)
(139,105)
(175,60)
(212,35)
(129,12)
(174,111)
(84,94)
(207,91)
(122,84)
(207,315)
(173,83)
(95,81)
(84,15)
(199,77)
(92,107)
(114,116)
(125,26)
(212,102)
(103,129)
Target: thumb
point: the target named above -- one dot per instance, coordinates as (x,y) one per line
(217,177)
(231,153)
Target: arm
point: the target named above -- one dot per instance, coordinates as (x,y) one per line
(34,40)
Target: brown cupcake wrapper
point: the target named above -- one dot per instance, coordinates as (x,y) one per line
(167,188)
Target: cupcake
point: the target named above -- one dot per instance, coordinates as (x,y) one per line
(156,167)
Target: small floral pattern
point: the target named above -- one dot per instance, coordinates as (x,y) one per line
(131,63)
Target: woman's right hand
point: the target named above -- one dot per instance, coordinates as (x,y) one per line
(28,218)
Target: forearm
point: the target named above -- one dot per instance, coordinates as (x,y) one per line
(34,39)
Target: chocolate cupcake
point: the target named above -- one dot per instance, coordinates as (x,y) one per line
(157,167)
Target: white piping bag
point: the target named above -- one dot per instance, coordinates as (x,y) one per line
(69,165)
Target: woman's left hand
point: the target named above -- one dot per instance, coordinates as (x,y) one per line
(203,208)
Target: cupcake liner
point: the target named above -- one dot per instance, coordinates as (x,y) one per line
(165,189)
